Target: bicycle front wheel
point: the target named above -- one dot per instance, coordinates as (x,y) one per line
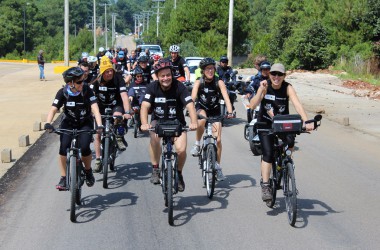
(80,182)
(169,190)
(106,156)
(136,126)
(209,170)
(73,186)
(290,193)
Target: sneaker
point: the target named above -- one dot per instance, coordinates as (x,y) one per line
(155,177)
(98,165)
(61,186)
(181,183)
(120,143)
(195,151)
(266,192)
(90,179)
(219,174)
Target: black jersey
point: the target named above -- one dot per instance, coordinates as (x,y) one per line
(120,65)
(276,99)
(137,91)
(178,66)
(147,74)
(168,104)
(108,93)
(77,109)
(209,94)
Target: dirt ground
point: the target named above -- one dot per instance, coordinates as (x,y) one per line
(25,100)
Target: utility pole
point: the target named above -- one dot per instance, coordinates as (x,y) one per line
(94,26)
(147,14)
(66,34)
(158,12)
(105,21)
(230,31)
(113,28)
(175,4)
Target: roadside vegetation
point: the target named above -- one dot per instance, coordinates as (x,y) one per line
(303,34)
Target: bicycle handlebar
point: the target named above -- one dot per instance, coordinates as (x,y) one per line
(212,119)
(61,131)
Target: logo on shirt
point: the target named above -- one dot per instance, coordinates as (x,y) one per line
(160,100)
(55,101)
(270,97)
(147,96)
(103,88)
(188,98)
(70,104)
(93,98)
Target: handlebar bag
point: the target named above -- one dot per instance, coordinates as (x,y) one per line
(168,128)
(287,123)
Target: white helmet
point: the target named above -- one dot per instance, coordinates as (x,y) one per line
(92,59)
(109,54)
(84,55)
(174,48)
(101,49)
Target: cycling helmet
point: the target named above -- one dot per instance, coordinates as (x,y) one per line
(137,71)
(101,49)
(84,55)
(223,59)
(162,64)
(121,54)
(72,74)
(143,59)
(174,48)
(92,59)
(205,62)
(265,65)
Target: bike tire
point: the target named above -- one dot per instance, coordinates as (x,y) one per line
(106,159)
(73,187)
(112,157)
(290,193)
(256,149)
(209,170)
(273,184)
(80,183)
(170,191)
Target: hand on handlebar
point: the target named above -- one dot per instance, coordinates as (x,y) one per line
(193,126)
(48,127)
(230,116)
(100,129)
(145,127)
(127,116)
(309,126)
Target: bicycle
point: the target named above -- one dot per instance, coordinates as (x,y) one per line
(208,155)
(168,130)
(75,175)
(136,121)
(109,143)
(282,174)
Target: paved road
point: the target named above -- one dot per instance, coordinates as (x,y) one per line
(337,176)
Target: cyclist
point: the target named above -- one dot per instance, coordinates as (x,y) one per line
(120,62)
(137,88)
(148,73)
(208,89)
(226,73)
(93,70)
(84,58)
(131,61)
(181,71)
(167,99)
(100,54)
(111,92)
(79,102)
(273,96)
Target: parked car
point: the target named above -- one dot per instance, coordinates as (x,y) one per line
(193,64)
(153,49)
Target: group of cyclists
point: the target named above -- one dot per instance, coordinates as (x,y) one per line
(157,86)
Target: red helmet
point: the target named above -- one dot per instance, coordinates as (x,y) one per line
(162,64)
(156,57)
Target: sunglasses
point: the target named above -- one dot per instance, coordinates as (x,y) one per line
(79,82)
(275,73)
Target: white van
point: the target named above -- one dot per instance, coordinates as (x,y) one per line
(153,49)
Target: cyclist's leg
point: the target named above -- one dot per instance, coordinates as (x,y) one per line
(198,135)
(267,143)
(65,141)
(84,142)
(155,154)
(180,144)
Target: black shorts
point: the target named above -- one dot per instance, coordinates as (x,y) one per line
(210,112)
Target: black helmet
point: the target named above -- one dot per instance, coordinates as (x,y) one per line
(72,74)
(143,59)
(223,59)
(265,65)
(137,71)
(163,63)
(205,62)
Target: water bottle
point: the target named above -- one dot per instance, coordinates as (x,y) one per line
(120,130)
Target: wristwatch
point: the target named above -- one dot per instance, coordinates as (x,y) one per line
(128,112)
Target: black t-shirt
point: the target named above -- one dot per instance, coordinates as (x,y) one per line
(108,93)
(209,94)
(77,109)
(137,91)
(168,104)
(120,65)
(276,99)
(147,74)
(178,67)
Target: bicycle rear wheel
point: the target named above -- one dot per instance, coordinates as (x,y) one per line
(209,170)
(273,184)
(290,193)
(106,152)
(169,190)
(73,186)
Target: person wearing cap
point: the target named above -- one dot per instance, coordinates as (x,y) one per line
(224,71)
(111,92)
(100,54)
(180,69)
(167,98)
(120,62)
(131,60)
(41,64)
(83,58)
(148,73)
(273,96)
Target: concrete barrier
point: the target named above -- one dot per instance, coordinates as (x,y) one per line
(6,155)
(37,126)
(60,69)
(23,141)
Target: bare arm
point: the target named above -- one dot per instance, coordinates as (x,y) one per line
(193,116)
(194,92)
(53,110)
(187,73)
(145,106)
(256,99)
(126,104)
(96,113)
(226,98)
